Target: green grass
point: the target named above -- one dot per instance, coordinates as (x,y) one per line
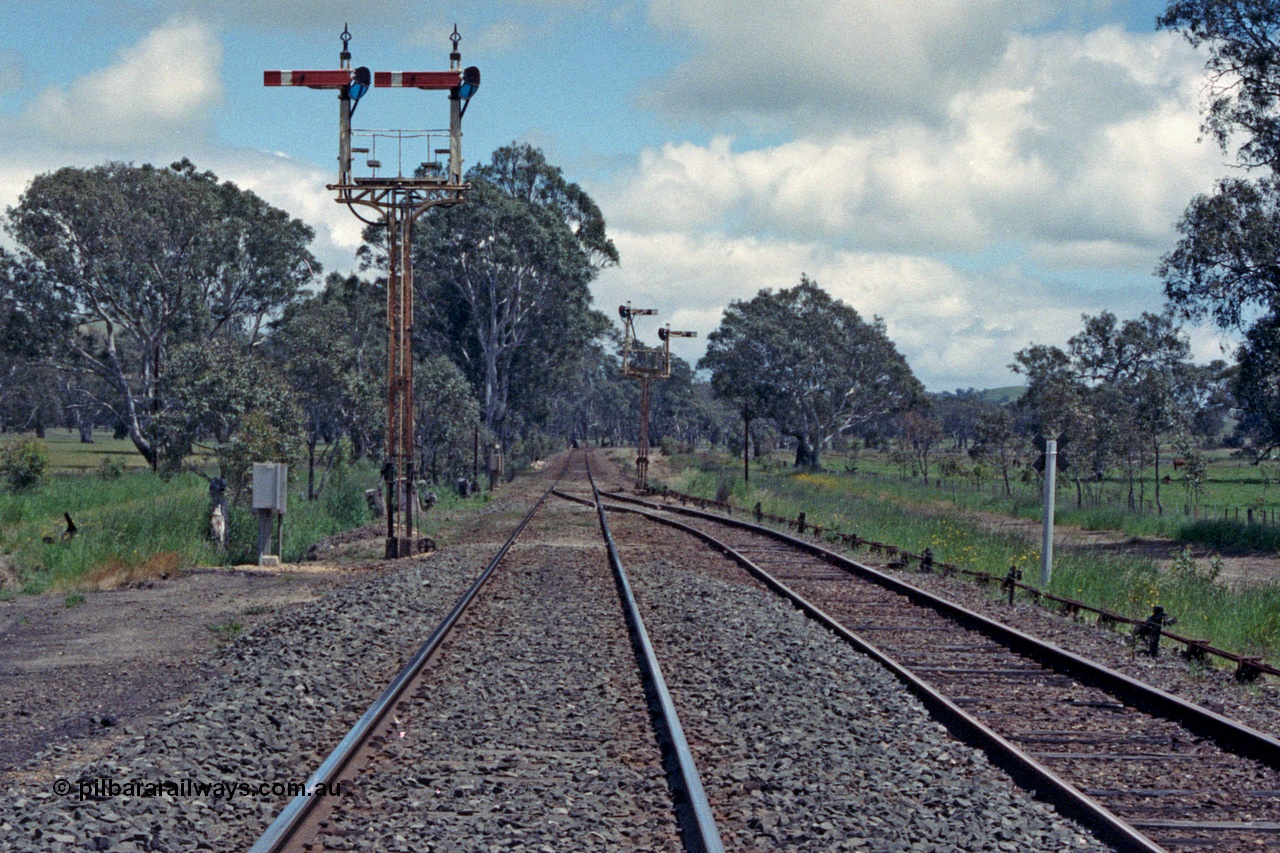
(76,494)
(1234,486)
(137,524)
(225,632)
(68,454)
(1232,536)
(140,525)
(341,507)
(1245,621)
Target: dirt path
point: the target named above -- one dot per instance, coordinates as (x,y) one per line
(78,676)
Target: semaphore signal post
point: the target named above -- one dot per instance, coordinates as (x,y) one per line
(646,364)
(394,200)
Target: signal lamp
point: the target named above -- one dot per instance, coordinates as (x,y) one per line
(360,82)
(470,84)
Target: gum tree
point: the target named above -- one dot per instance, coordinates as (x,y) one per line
(505,278)
(140,259)
(810,363)
(1226,264)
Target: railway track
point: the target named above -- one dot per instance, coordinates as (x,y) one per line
(415,754)
(537,718)
(1143,769)
(307,815)
(530,727)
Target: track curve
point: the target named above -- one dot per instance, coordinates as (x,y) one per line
(1172,775)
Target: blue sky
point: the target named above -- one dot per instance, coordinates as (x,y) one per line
(977,172)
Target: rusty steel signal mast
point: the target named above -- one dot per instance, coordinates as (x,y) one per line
(396,201)
(646,364)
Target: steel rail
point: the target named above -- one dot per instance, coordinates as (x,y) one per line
(699,829)
(1247,667)
(1228,734)
(1025,770)
(284,829)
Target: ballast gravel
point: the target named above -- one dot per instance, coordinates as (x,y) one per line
(805,744)
(530,732)
(1256,704)
(293,688)
(1213,685)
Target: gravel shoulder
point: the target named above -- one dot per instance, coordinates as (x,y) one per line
(81,674)
(134,684)
(77,677)
(264,708)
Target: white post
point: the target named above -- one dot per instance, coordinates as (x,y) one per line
(1050,489)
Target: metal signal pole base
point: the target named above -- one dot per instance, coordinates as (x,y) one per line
(399,546)
(642,473)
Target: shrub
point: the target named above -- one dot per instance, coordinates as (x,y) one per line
(23,463)
(111,468)
(1231,536)
(949,467)
(257,440)
(344,500)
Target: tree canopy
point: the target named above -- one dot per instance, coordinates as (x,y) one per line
(1225,264)
(1118,391)
(139,259)
(810,363)
(1257,387)
(504,282)
(1243,101)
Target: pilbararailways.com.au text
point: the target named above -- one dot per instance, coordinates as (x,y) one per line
(104,787)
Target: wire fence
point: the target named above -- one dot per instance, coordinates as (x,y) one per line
(1173,501)
(1248,668)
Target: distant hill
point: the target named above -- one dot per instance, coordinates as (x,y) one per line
(1004,395)
(999,396)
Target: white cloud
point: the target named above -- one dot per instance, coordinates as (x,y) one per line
(162,88)
(1209,343)
(956,328)
(291,185)
(152,105)
(833,62)
(912,141)
(1069,143)
(299,189)
(269,15)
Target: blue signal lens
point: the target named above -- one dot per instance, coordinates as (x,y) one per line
(470,83)
(360,81)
